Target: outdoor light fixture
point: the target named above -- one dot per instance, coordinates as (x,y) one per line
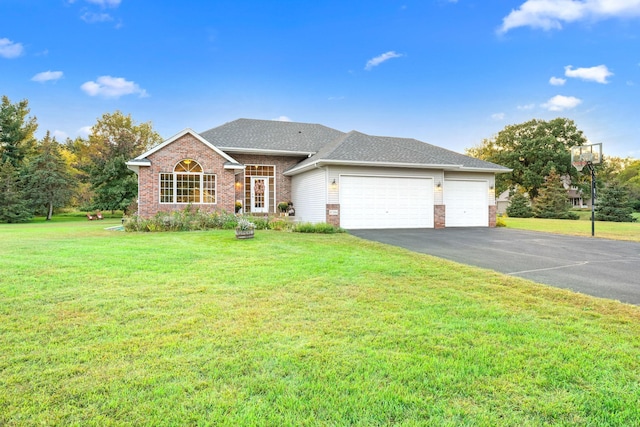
(334,184)
(438,185)
(491,188)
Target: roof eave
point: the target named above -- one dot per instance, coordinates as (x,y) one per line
(263,152)
(446,167)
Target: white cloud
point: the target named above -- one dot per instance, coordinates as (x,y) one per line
(282,119)
(112,87)
(380,59)
(9,49)
(497,116)
(561,103)
(92,18)
(84,131)
(557,81)
(551,14)
(595,74)
(60,135)
(46,76)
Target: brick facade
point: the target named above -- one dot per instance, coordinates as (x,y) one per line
(492,215)
(439,216)
(333,219)
(165,160)
(229,185)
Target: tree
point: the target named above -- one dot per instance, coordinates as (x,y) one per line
(16,132)
(47,178)
(519,206)
(613,205)
(553,200)
(114,140)
(532,149)
(14,207)
(629,178)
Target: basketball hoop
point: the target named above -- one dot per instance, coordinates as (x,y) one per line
(583,155)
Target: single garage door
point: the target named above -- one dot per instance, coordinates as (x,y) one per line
(466,203)
(386,202)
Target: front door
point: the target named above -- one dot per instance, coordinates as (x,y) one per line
(259,194)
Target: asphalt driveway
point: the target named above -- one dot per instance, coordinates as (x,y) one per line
(598,267)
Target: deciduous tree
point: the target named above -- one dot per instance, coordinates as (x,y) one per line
(114,140)
(532,149)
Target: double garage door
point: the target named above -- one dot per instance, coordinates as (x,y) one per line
(386,202)
(408,202)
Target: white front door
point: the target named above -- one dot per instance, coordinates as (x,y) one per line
(259,194)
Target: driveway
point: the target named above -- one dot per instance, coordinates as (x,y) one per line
(598,267)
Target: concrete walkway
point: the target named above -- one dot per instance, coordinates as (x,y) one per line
(598,267)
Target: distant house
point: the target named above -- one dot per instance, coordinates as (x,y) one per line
(352,180)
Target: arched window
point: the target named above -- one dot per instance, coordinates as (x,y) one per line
(187,184)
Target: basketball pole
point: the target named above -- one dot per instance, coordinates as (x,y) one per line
(593,198)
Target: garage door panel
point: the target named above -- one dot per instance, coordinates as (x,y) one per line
(466,203)
(386,202)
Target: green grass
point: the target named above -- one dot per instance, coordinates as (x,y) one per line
(609,230)
(110,328)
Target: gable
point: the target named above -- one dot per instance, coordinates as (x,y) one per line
(143,159)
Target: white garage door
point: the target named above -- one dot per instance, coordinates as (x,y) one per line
(466,203)
(386,202)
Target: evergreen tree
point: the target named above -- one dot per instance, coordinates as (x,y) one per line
(14,207)
(47,178)
(519,206)
(553,200)
(16,132)
(613,205)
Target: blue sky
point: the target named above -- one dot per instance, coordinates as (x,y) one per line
(446,72)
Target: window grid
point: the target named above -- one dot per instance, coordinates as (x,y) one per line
(188,185)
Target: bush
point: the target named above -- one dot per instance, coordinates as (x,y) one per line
(322,227)
(500,222)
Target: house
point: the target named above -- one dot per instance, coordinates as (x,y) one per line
(351,180)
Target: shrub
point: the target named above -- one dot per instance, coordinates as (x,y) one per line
(500,222)
(322,227)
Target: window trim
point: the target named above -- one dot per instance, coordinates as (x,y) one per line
(205,183)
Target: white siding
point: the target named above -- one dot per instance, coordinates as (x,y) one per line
(309,196)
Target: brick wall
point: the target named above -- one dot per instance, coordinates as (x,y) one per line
(492,215)
(333,219)
(439,216)
(164,161)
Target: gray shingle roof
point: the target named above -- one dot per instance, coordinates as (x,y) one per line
(271,135)
(326,145)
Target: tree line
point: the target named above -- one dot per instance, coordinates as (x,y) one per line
(39,176)
(538,152)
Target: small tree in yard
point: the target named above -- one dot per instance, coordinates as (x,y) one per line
(553,201)
(613,205)
(519,206)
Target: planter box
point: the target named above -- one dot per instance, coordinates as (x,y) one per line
(244,234)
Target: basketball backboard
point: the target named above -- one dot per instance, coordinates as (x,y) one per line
(583,155)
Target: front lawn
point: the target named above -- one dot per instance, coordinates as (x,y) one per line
(608,230)
(107,328)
